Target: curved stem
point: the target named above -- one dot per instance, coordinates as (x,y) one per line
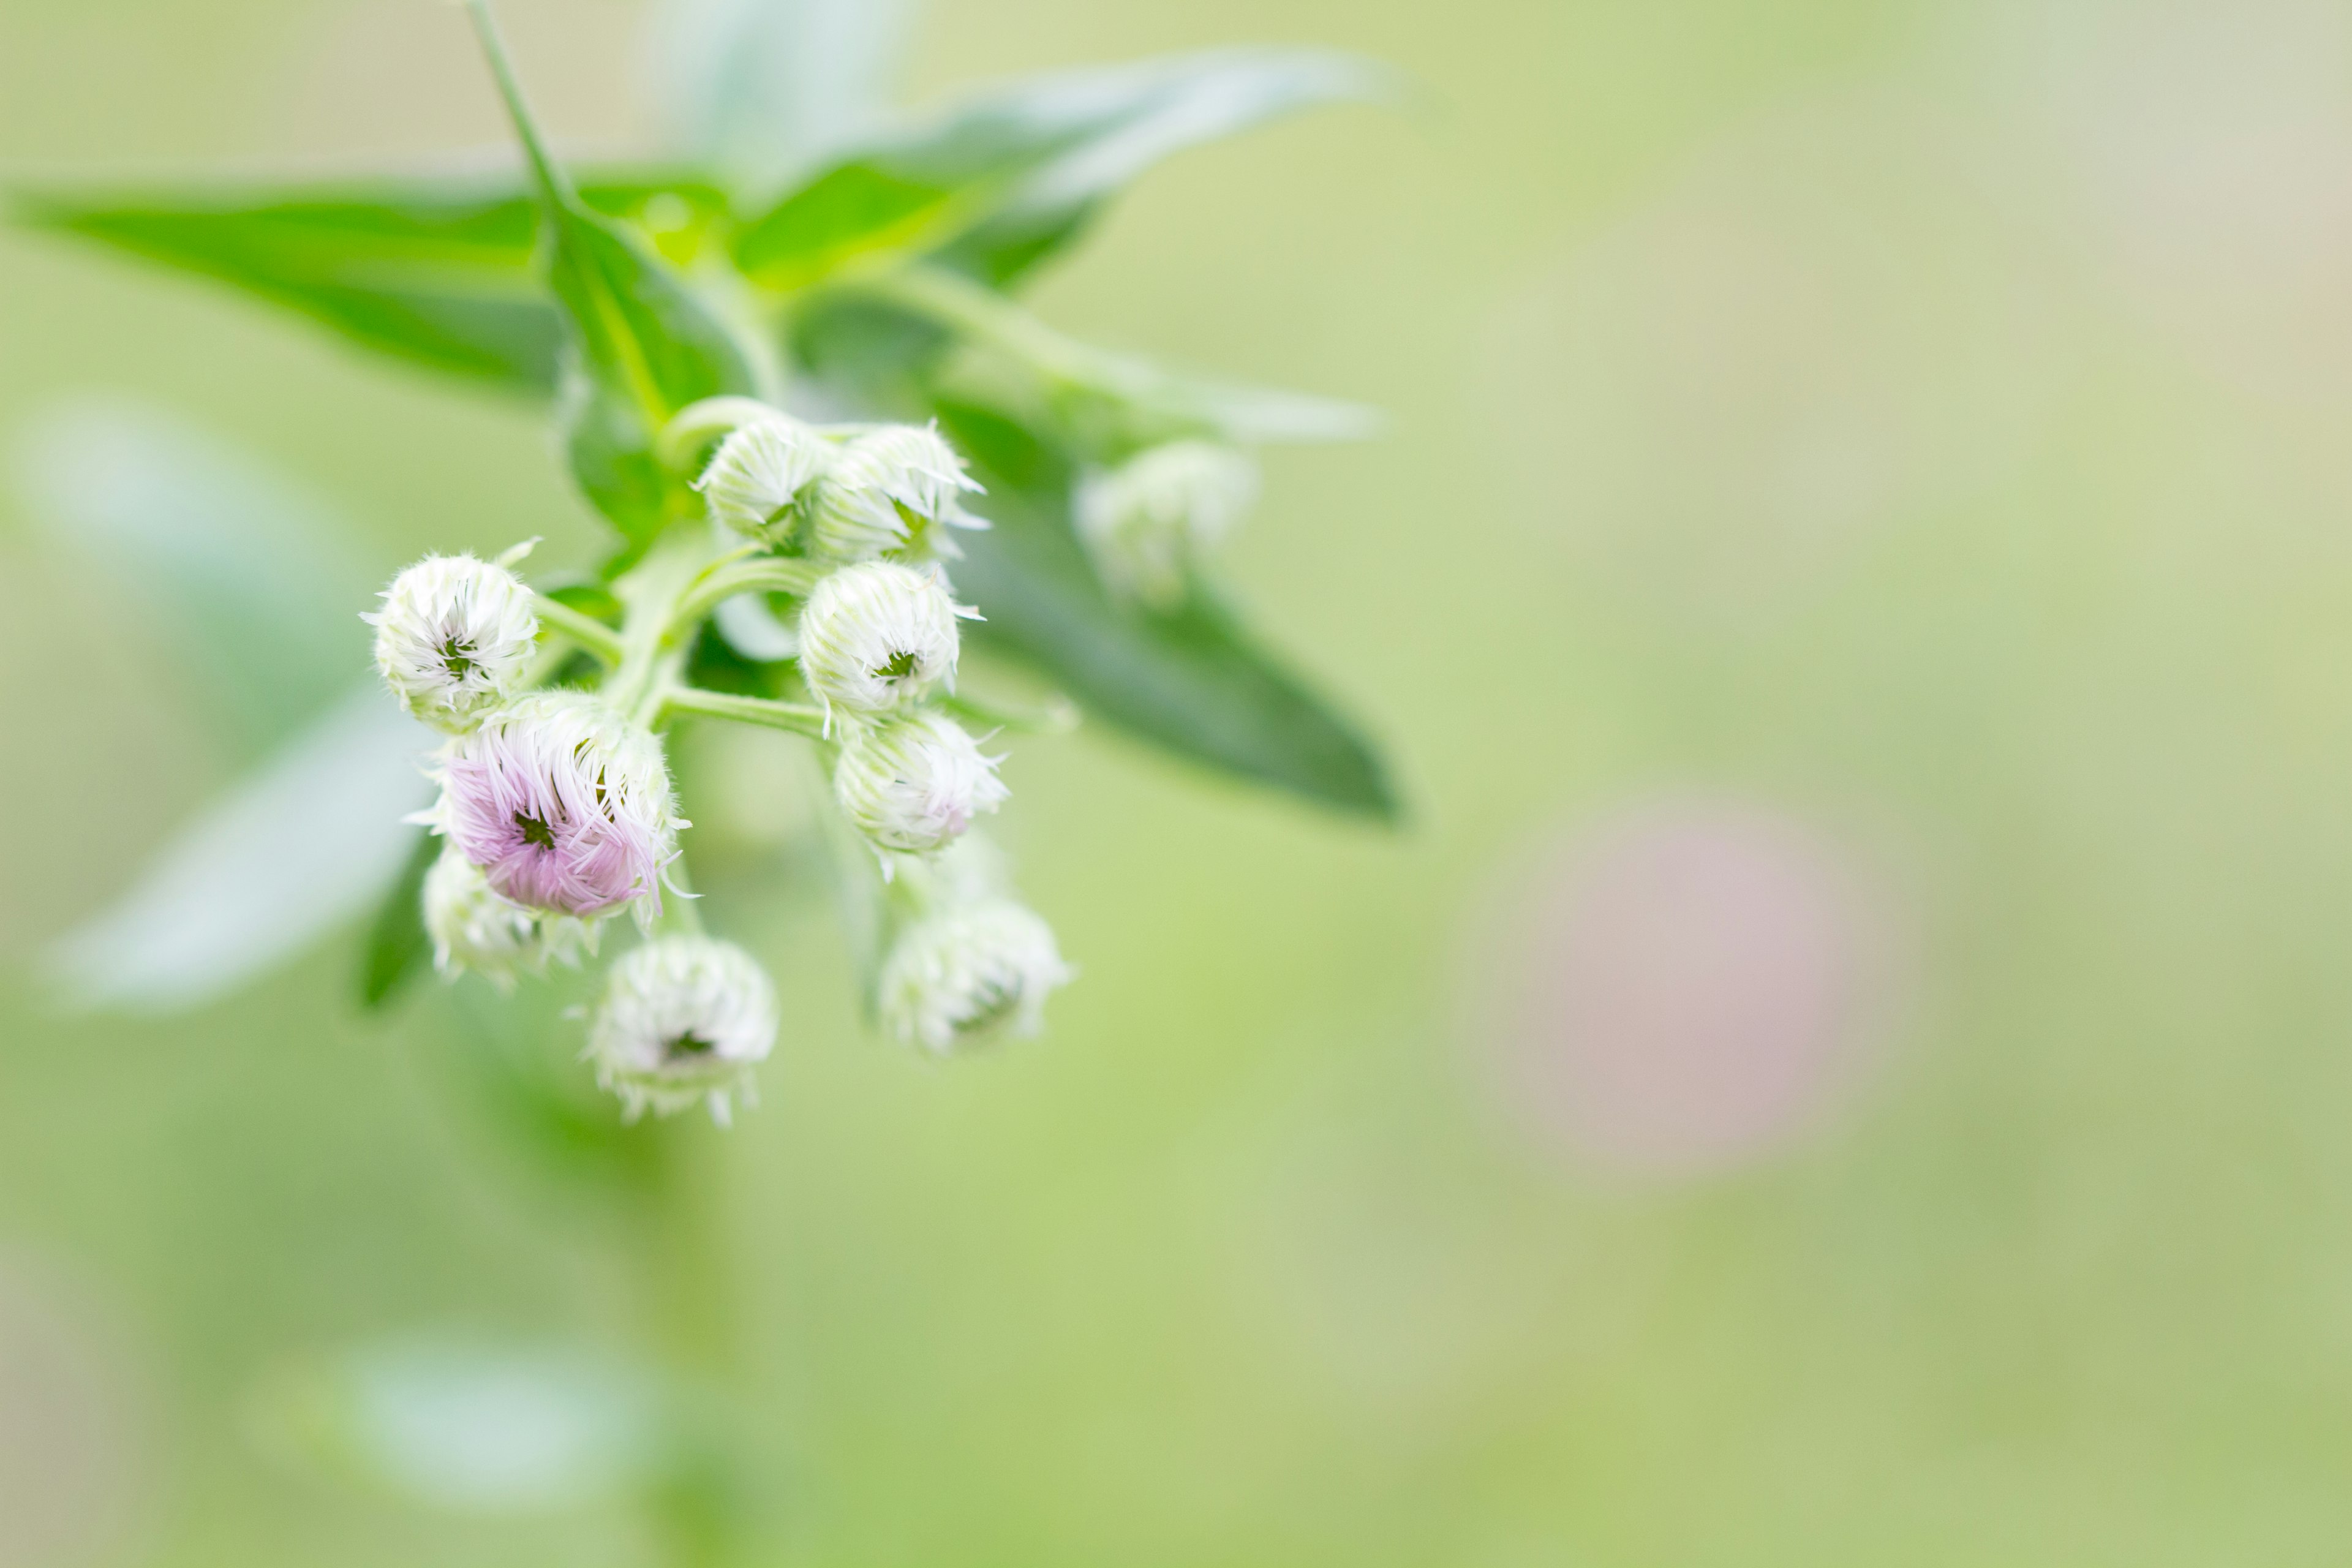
(799,717)
(763,574)
(649,656)
(592,635)
(978,312)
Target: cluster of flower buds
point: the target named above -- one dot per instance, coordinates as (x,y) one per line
(879,634)
(1150,521)
(889,491)
(556,808)
(556,813)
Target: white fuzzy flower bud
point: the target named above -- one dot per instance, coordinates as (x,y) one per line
(971,971)
(764,478)
(683,1022)
(913,782)
(453,637)
(474,928)
(891,491)
(878,635)
(1150,521)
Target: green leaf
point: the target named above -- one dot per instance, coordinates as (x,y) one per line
(287,855)
(397,944)
(473,1426)
(1002,184)
(226,564)
(641,346)
(1137,115)
(435,272)
(1191,682)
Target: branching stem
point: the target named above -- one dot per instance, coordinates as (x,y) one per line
(761,575)
(591,634)
(799,717)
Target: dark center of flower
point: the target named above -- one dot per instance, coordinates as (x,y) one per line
(689,1044)
(535,830)
(900,665)
(457,657)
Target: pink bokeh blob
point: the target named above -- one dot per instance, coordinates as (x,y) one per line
(1684,989)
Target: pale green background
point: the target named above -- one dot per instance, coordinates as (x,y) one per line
(1927,421)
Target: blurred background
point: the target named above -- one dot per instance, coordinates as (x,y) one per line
(1845,1062)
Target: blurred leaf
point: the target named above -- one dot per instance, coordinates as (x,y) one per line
(1003,182)
(882,338)
(437,271)
(1134,116)
(288,854)
(1108,406)
(1191,682)
(239,569)
(472,1427)
(761,88)
(640,346)
(397,944)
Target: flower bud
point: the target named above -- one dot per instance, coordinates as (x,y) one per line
(967,972)
(889,492)
(878,635)
(1150,521)
(682,1021)
(913,782)
(453,637)
(474,928)
(564,807)
(764,480)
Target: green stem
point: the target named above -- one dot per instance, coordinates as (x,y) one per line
(591,634)
(978,312)
(689,1299)
(552,180)
(799,717)
(650,656)
(763,575)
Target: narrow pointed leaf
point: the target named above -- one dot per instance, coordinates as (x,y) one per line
(998,185)
(638,349)
(286,856)
(435,272)
(232,567)
(397,945)
(467,1426)
(640,344)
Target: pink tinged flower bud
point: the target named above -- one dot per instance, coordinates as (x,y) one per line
(877,636)
(913,782)
(475,930)
(971,971)
(562,806)
(762,480)
(891,491)
(453,638)
(683,1022)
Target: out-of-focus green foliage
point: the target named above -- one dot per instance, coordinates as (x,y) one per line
(442,274)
